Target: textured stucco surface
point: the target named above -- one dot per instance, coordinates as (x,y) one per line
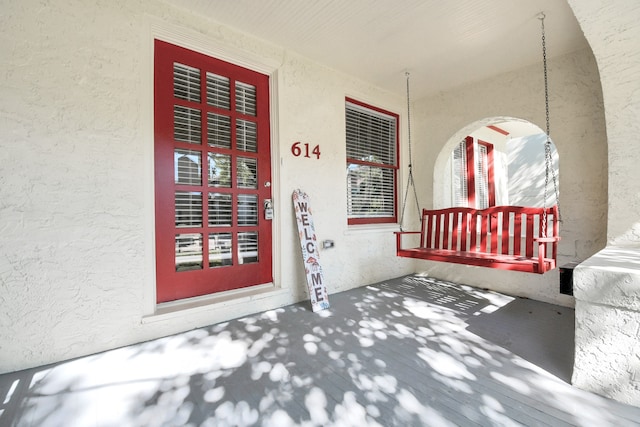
(612,30)
(76,190)
(607,351)
(609,336)
(607,286)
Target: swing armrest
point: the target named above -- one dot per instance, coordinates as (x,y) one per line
(399,238)
(546,239)
(542,250)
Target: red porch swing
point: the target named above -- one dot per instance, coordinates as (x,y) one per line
(503,237)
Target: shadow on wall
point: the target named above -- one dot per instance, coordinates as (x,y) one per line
(526,177)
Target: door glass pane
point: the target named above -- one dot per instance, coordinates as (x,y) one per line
(246,136)
(220,249)
(186,82)
(248,247)
(186,124)
(218,91)
(187,167)
(219,170)
(218,130)
(247,209)
(188,209)
(220,210)
(245,98)
(247,173)
(188,252)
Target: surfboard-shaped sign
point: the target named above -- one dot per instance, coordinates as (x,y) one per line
(310,255)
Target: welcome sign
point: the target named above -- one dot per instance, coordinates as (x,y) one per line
(310,255)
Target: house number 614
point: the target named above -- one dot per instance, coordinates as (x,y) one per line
(299,149)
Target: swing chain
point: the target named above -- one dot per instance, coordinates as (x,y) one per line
(547,146)
(410,181)
(546,80)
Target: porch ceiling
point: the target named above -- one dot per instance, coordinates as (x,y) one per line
(442,44)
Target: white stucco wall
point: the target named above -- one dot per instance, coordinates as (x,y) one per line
(612,30)
(607,349)
(76,193)
(527,170)
(577,122)
(607,286)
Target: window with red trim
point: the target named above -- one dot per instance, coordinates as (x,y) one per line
(473,179)
(372,164)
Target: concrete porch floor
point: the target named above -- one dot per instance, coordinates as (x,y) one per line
(408,351)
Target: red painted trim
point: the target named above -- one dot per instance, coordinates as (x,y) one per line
(489,167)
(427,219)
(471,172)
(171,285)
(497,129)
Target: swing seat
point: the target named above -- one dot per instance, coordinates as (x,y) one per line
(502,237)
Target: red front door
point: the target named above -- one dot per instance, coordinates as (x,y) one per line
(212,175)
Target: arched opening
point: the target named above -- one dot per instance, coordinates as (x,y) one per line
(495,162)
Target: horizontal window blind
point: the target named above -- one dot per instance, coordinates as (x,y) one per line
(186,82)
(371,143)
(218,130)
(188,209)
(371,136)
(245,98)
(459,175)
(220,210)
(218,89)
(246,136)
(371,191)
